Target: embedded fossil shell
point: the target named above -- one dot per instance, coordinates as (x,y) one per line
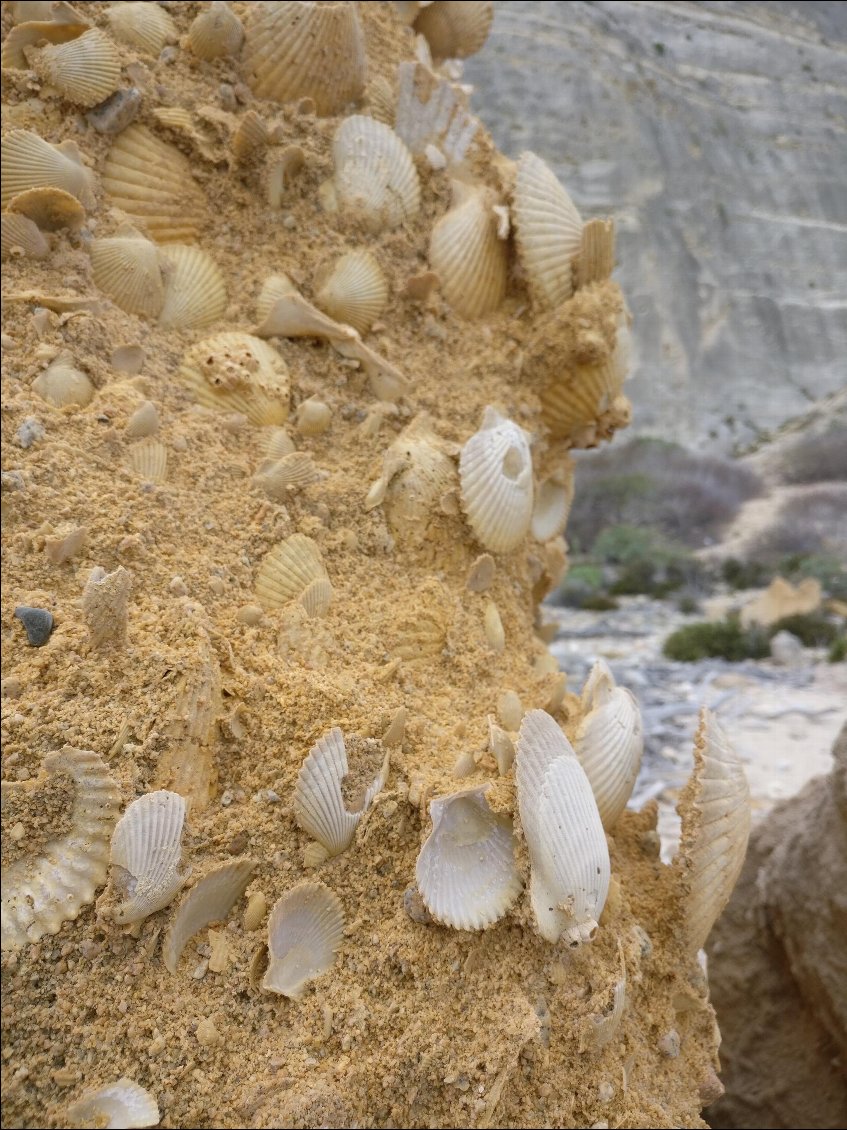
(149,459)
(51,209)
(216,32)
(144,421)
(466,871)
(20,236)
(151,181)
(145,26)
(304,934)
(273,288)
(209,900)
(120,1104)
(236,372)
(305,50)
(278,443)
(105,601)
(28,161)
(62,384)
(313,417)
(501,746)
(145,855)
(416,473)
(86,70)
(433,112)
(715,810)
(126,268)
(381,99)
(609,744)
(195,292)
(579,397)
(568,853)
(549,231)
(291,472)
(37,24)
(495,471)
(552,505)
(355,292)
(598,687)
(465,252)
(294,570)
(603,1026)
(596,258)
(456,29)
(319,806)
(250,137)
(493,624)
(375,178)
(40,894)
(281,170)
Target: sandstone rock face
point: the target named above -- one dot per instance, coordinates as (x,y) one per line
(713,132)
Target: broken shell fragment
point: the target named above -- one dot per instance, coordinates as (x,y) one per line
(549,231)
(215,33)
(50,209)
(195,292)
(501,746)
(209,900)
(375,178)
(121,1104)
(455,29)
(149,459)
(355,291)
(305,931)
(250,137)
(147,27)
(62,384)
(41,893)
(28,161)
(433,113)
(126,267)
(236,372)
(86,70)
(552,505)
(294,570)
(291,472)
(467,255)
(144,421)
(580,395)
(145,857)
(466,871)
(20,236)
(495,471)
(494,632)
(273,288)
(609,744)
(596,259)
(105,600)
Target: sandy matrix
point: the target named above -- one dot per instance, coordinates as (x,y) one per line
(414,1024)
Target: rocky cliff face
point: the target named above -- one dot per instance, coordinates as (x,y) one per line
(714,133)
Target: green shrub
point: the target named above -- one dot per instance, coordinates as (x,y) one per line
(647,562)
(745,574)
(582,582)
(722,639)
(688,604)
(599,602)
(838,650)
(812,629)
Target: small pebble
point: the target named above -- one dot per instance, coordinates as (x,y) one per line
(30,431)
(669,1044)
(11,687)
(227,97)
(207,1033)
(116,113)
(37,622)
(249,614)
(413,904)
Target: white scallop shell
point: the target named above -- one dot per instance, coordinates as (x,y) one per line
(596,259)
(216,32)
(609,743)
(105,605)
(305,931)
(495,472)
(151,181)
(305,50)
(39,894)
(86,70)
(195,291)
(432,111)
(319,806)
(294,570)
(209,900)
(236,372)
(62,384)
(375,178)
(148,27)
(20,236)
(552,505)
(598,688)
(273,288)
(117,1106)
(126,267)
(27,161)
(466,871)
(355,291)
(291,472)
(149,459)
(455,29)
(715,810)
(146,853)
(466,253)
(569,857)
(549,231)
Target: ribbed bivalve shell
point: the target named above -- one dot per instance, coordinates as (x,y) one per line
(147,27)
(236,372)
(86,70)
(146,853)
(195,291)
(62,384)
(495,472)
(319,806)
(216,32)
(305,50)
(549,231)
(466,254)
(149,459)
(715,811)
(122,1104)
(455,29)
(579,397)
(609,744)
(28,161)
(20,236)
(151,181)
(375,178)
(354,291)
(466,871)
(553,500)
(294,570)
(305,931)
(209,900)
(126,268)
(569,857)
(41,893)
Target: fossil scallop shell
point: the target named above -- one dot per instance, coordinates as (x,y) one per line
(432,111)
(305,931)
(569,857)
(149,459)
(319,806)
(609,744)
(122,1104)
(552,505)
(549,231)
(715,810)
(51,209)
(250,137)
(291,472)
(273,288)
(151,181)
(146,854)
(495,471)
(28,161)
(236,372)
(144,421)
(355,291)
(105,606)
(86,70)
(20,236)
(596,259)
(294,570)
(209,900)
(465,252)
(195,291)
(41,893)
(62,384)
(579,397)
(466,871)
(455,29)
(147,27)
(126,267)
(216,32)
(37,24)
(375,178)
(305,50)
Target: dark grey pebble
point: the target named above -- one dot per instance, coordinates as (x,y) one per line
(37,622)
(116,112)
